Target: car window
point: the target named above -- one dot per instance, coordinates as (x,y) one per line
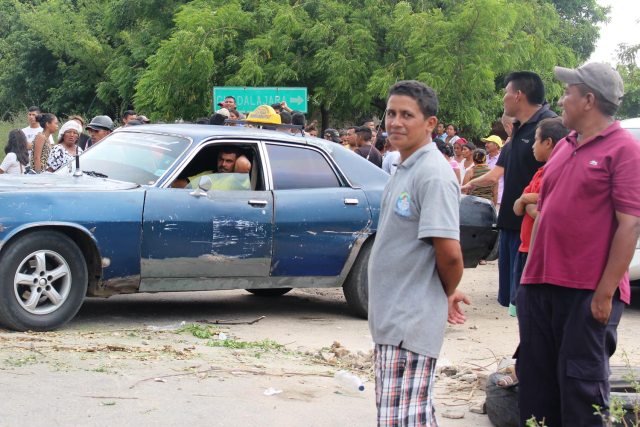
(299,167)
(132,156)
(228,166)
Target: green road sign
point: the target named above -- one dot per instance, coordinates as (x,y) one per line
(249,98)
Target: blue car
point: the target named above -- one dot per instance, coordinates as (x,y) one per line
(147,212)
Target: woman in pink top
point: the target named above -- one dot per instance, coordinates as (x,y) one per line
(447,152)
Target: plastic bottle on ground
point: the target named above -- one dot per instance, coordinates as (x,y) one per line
(349,381)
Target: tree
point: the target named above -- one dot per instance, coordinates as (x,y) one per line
(630,72)
(51,56)
(163,57)
(179,76)
(464,52)
(135,30)
(580,31)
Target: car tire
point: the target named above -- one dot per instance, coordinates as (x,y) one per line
(270,293)
(493,255)
(356,287)
(501,403)
(50,264)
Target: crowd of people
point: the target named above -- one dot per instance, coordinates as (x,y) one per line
(49,146)
(33,149)
(561,178)
(467,160)
(550,179)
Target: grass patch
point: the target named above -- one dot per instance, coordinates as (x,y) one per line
(264,345)
(212,334)
(199,331)
(5,127)
(18,362)
(101,369)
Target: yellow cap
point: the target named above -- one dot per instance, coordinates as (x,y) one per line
(493,138)
(264,114)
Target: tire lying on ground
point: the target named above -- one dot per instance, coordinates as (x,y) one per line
(501,403)
(274,292)
(43,281)
(356,286)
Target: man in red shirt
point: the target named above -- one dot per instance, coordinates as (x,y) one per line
(575,283)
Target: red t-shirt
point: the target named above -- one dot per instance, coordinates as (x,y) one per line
(583,188)
(527,221)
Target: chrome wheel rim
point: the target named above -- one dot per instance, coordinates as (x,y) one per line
(42,282)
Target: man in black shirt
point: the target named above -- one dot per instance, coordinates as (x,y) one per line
(365,149)
(524,100)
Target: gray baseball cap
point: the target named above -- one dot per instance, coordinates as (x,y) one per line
(101,122)
(598,76)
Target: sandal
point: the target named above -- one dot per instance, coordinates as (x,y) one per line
(507,381)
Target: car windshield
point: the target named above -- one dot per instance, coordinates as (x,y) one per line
(136,157)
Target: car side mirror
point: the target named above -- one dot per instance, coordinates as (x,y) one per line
(204,185)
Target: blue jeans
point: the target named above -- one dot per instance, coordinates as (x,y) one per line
(521,260)
(507,285)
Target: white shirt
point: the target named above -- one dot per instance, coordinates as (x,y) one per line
(390,162)
(32,132)
(463,170)
(10,165)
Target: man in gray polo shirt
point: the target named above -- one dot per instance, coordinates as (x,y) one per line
(416,261)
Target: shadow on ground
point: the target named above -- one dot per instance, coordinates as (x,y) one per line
(166,308)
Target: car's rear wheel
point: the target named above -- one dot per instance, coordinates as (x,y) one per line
(356,287)
(43,281)
(274,292)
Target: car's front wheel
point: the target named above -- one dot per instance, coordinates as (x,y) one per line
(43,281)
(356,287)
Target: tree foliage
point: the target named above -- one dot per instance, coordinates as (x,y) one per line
(629,55)
(163,57)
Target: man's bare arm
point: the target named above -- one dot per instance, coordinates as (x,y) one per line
(490,178)
(456,314)
(529,198)
(620,253)
(449,263)
(522,204)
(518,207)
(532,210)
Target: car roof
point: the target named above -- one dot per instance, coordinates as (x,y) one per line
(631,123)
(200,132)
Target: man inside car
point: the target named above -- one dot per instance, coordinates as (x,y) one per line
(230,161)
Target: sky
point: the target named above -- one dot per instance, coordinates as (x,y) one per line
(623,27)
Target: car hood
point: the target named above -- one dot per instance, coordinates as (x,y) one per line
(55,182)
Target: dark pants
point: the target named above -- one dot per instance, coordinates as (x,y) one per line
(509,244)
(518,268)
(563,358)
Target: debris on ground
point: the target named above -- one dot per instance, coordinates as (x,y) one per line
(479,408)
(461,387)
(454,415)
(339,356)
(271,391)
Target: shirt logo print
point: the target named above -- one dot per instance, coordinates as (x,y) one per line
(403,205)
(526,141)
(593,163)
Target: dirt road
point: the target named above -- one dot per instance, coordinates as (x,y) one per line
(153,360)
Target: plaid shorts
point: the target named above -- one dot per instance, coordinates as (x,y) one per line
(404,387)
